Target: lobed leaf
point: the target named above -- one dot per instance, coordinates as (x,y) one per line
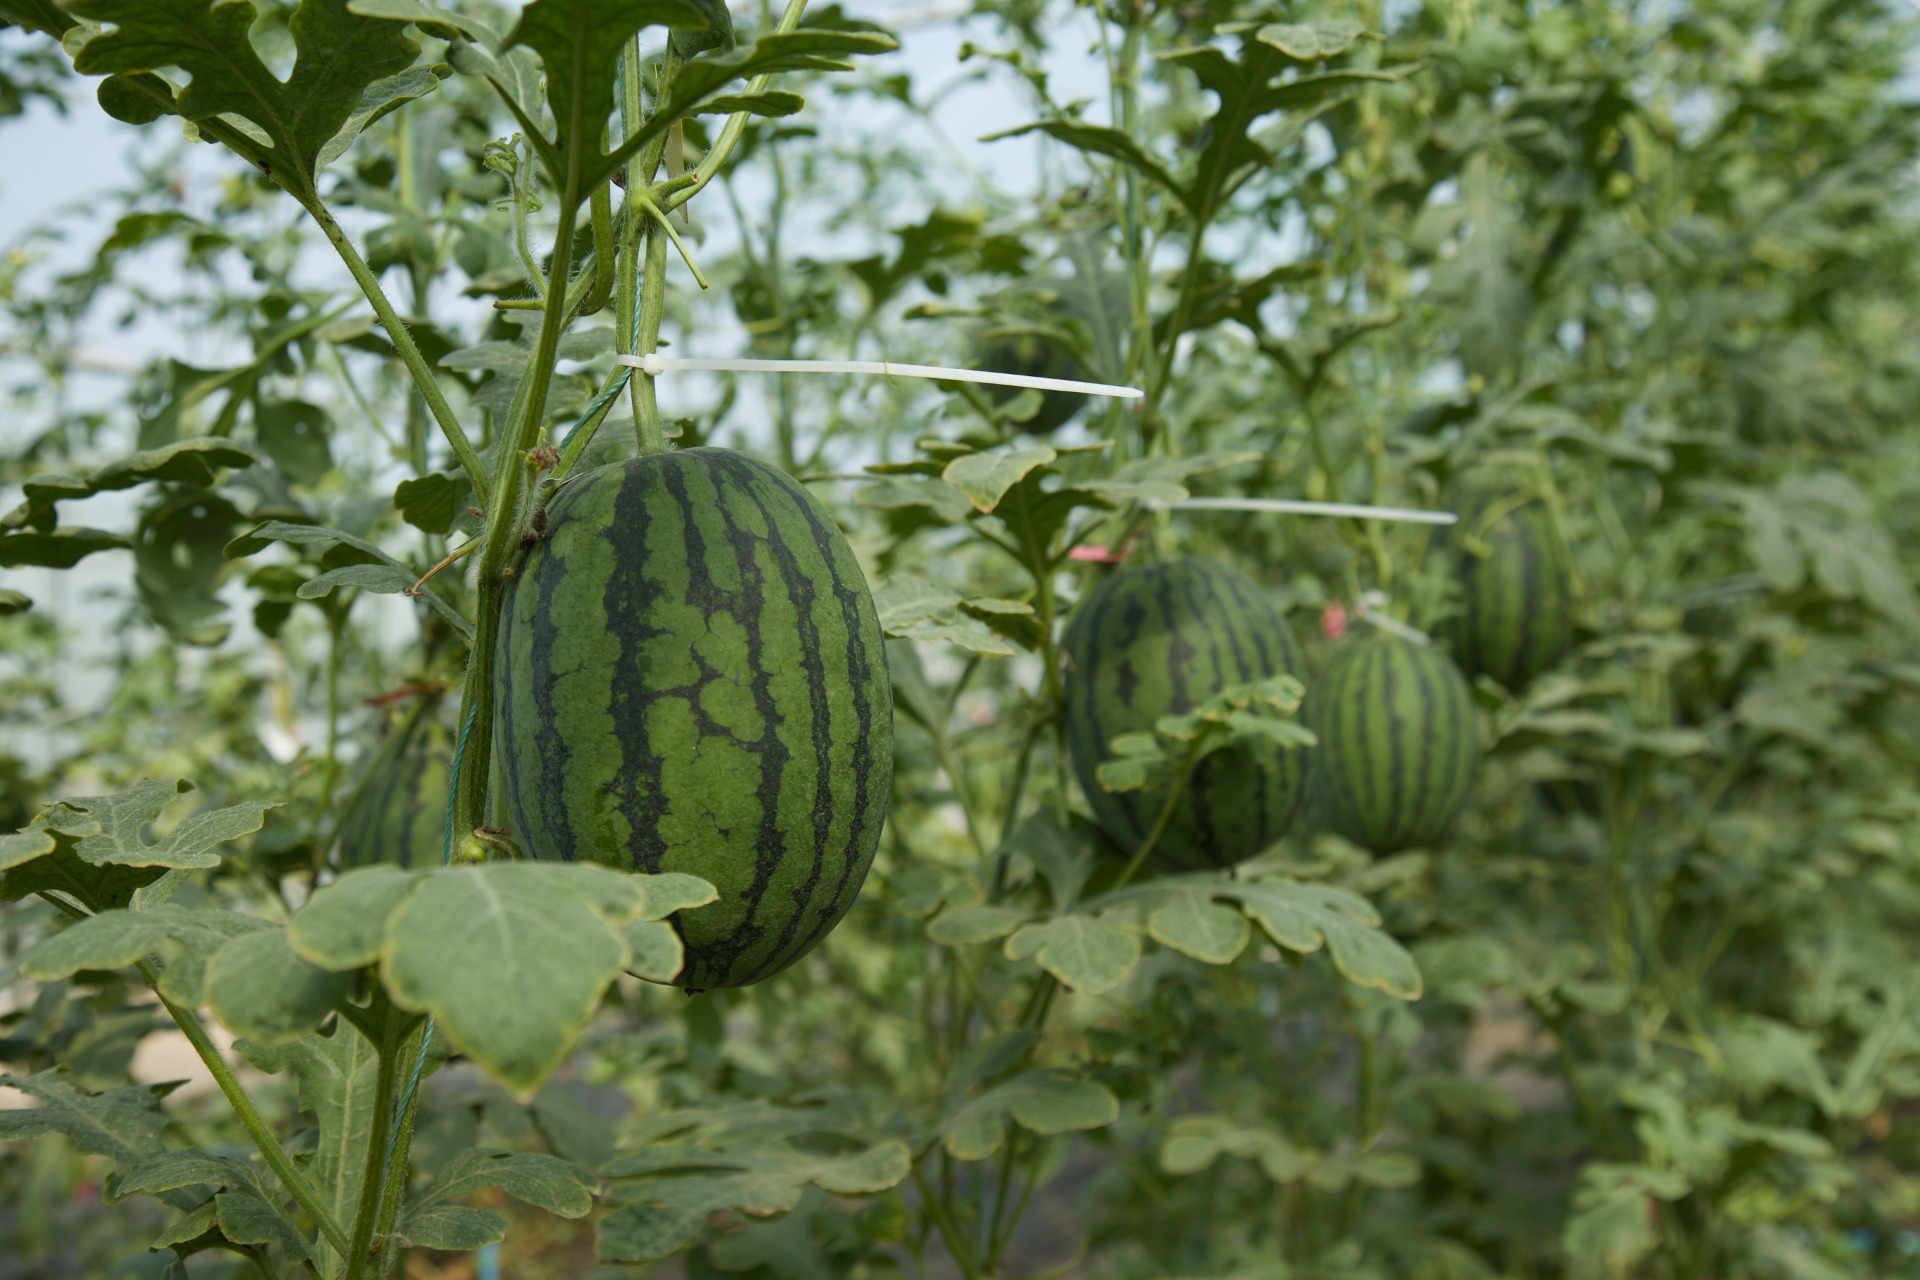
(1043,1101)
(1088,955)
(260,989)
(509,960)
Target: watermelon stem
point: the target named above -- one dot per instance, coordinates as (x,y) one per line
(1159,827)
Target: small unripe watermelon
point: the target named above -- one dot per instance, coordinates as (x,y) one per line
(1398,742)
(1159,640)
(1516,601)
(691,677)
(400,814)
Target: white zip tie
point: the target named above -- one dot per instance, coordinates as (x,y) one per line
(655,365)
(1291,506)
(1369,601)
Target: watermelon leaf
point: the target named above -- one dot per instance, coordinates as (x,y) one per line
(561,1187)
(960,925)
(985,477)
(340,927)
(1088,955)
(283,127)
(260,989)
(450,1226)
(193,462)
(337,1076)
(126,1125)
(510,958)
(1193,1143)
(1043,1101)
(1200,927)
(678,1185)
(1300,916)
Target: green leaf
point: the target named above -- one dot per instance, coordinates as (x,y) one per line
(385,580)
(450,1226)
(188,1228)
(1100,140)
(772,104)
(100,855)
(579,43)
(559,1186)
(510,961)
(775,52)
(108,940)
(1201,928)
(294,434)
(718,35)
(431,503)
(24,846)
(60,549)
(260,989)
(1193,1143)
(198,935)
(338,1075)
(656,950)
(896,493)
(268,532)
(1043,1101)
(377,100)
(1299,916)
(985,477)
(958,926)
(1088,955)
(341,926)
(683,1185)
(912,609)
(12,602)
(124,1125)
(286,124)
(246,1219)
(173,1170)
(196,462)
(441,22)
(1312,41)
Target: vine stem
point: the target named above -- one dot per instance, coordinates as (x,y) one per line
(402,1139)
(650,435)
(503,512)
(949,1230)
(403,343)
(373,1172)
(270,1149)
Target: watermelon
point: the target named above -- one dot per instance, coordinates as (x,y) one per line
(1398,743)
(1035,357)
(1156,641)
(690,676)
(1516,600)
(399,815)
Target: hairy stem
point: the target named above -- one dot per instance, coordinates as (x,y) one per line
(373,1172)
(405,346)
(270,1149)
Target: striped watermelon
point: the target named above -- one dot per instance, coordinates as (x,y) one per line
(1516,600)
(1398,743)
(691,677)
(400,812)
(1156,641)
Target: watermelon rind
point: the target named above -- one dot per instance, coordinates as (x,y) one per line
(690,676)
